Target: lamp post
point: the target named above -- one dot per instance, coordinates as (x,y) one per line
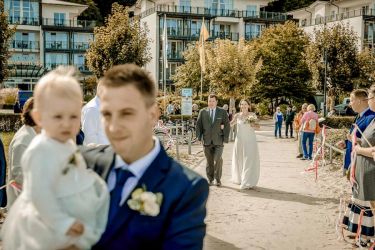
(325,84)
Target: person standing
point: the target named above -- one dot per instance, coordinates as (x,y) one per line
(289,117)
(310,127)
(213,127)
(245,158)
(359,103)
(156,203)
(297,126)
(91,123)
(278,118)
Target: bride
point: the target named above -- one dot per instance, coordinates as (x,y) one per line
(245,159)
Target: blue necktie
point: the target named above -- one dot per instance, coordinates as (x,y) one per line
(121,176)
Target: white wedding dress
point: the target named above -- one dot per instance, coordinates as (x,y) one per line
(245,159)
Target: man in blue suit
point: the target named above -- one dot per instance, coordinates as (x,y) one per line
(172,216)
(359,103)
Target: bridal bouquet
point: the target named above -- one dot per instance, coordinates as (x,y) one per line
(252,119)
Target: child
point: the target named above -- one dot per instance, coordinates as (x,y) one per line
(62,203)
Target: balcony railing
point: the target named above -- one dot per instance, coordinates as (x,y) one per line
(82,67)
(25,45)
(57,45)
(338,17)
(23,20)
(225,35)
(51,66)
(201,11)
(175,56)
(69,23)
(81,45)
(272,16)
(252,35)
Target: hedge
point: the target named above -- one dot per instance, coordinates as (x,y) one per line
(339,121)
(10,122)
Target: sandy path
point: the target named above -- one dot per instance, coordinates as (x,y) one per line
(286,211)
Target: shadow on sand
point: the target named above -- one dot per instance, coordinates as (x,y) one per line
(273,194)
(212,243)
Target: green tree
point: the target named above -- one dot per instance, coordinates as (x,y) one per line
(188,75)
(339,42)
(121,40)
(91,13)
(284,72)
(6,33)
(366,60)
(231,68)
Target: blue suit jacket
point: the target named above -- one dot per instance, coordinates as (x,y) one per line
(180,223)
(362,123)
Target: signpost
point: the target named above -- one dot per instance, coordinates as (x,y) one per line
(186,101)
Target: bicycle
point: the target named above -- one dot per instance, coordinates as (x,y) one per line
(164,136)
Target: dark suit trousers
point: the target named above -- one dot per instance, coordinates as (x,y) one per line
(214,165)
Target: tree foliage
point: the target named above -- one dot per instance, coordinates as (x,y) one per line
(340,44)
(287,5)
(121,40)
(232,67)
(284,72)
(91,13)
(366,60)
(6,33)
(188,75)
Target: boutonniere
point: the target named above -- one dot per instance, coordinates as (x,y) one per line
(73,162)
(147,203)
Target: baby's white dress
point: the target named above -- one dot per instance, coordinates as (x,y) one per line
(58,189)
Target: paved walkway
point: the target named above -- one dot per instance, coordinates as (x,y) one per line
(283,212)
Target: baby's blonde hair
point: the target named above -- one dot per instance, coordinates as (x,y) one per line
(61,81)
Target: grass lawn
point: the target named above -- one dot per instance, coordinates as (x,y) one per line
(6,137)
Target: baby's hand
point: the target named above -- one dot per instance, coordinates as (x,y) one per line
(76,229)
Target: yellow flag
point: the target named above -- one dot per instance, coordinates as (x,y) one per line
(202,37)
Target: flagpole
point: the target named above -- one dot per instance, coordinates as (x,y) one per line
(201,66)
(164,62)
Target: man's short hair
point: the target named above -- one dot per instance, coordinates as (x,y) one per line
(212,96)
(360,93)
(26,113)
(130,74)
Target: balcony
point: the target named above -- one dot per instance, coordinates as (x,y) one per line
(251,35)
(25,45)
(68,23)
(81,46)
(367,15)
(56,45)
(51,66)
(225,35)
(179,11)
(23,20)
(263,15)
(175,56)
(82,68)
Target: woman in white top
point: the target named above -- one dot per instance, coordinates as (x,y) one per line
(245,159)
(17,147)
(62,203)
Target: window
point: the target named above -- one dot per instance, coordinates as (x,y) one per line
(253,30)
(82,40)
(251,10)
(55,59)
(185,5)
(56,40)
(59,19)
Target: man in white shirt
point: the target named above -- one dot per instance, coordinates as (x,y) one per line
(91,122)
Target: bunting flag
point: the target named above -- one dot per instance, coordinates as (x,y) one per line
(165,43)
(202,37)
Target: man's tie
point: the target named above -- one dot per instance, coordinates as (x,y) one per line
(121,176)
(212,115)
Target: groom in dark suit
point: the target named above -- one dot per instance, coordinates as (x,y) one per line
(213,126)
(155,202)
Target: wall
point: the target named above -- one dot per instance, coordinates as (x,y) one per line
(152,22)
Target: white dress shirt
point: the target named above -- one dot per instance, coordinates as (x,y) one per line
(91,123)
(137,168)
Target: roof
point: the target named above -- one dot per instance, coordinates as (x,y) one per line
(58,2)
(307,7)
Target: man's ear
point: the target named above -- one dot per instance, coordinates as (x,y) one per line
(154,112)
(36,117)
